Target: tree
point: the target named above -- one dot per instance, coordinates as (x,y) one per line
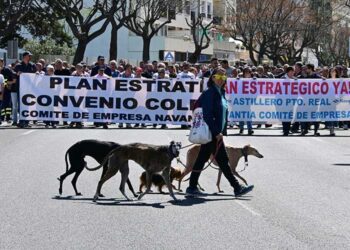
(87,20)
(19,15)
(117,21)
(11,14)
(280,29)
(147,17)
(200,36)
(47,47)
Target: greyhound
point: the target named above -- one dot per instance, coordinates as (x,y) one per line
(234,155)
(152,158)
(77,152)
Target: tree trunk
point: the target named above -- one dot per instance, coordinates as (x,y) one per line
(146,48)
(251,56)
(79,53)
(113,48)
(194,57)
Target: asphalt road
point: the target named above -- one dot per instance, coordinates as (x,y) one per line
(301,198)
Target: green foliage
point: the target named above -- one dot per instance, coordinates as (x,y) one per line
(48,47)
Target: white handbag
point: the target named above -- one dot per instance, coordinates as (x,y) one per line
(200,132)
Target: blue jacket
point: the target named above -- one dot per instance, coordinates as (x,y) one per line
(211,103)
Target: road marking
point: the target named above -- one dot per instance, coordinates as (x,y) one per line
(247,208)
(28,132)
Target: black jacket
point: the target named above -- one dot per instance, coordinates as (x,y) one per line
(211,103)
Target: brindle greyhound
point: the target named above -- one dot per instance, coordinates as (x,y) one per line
(77,152)
(234,155)
(152,158)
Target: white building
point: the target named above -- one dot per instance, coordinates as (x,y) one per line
(175,37)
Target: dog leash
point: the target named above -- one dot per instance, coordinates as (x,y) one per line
(218,145)
(245,162)
(188,146)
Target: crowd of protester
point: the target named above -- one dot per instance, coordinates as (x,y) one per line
(9,83)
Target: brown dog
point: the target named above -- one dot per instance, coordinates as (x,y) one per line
(158,180)
(234,155)
(152,158)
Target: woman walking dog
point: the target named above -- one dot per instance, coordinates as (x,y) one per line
(215,111)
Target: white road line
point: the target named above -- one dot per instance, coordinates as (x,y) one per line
(247,208)
(28,132)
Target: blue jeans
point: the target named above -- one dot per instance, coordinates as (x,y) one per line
(249,125)
(14,100)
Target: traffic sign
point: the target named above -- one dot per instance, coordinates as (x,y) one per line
(169,56)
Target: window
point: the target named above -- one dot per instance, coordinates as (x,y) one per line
(209,10)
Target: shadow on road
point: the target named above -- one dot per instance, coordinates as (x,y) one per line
(341,164)
(186,202)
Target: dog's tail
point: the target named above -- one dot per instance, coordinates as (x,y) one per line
(65,158)
(93,169)
(103,162)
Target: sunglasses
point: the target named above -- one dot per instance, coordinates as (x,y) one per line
(222,77)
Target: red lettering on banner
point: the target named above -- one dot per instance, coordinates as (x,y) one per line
(253,88)
(302,88)
(344,89)
(269,88)
(294,88)
(286,87)
(245,87)
(278,89)
(336,87)
(324,88)
(314,90)
(232,87)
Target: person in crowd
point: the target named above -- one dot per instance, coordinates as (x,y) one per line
(138,73)
(325,73)
(60,70)
(100,64)
(26,66)
(39,69)
(50,71)
(215,112)
(79,71)
(6,107)
(194,71)
(309,74)
(161,75)
(227,67)
(114,71)
(247,73)
(148,72)
(172,72)
(127,74)
(185,74)
(2,88)
(342,72)
(290,74)
(101,75)
(161,68)
(267,71)
(214,63)
(260,73)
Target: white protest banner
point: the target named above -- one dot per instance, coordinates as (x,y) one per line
(276,100)
(66,98)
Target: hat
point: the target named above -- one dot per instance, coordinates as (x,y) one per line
(102,68)
(100,58)
(27,53)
